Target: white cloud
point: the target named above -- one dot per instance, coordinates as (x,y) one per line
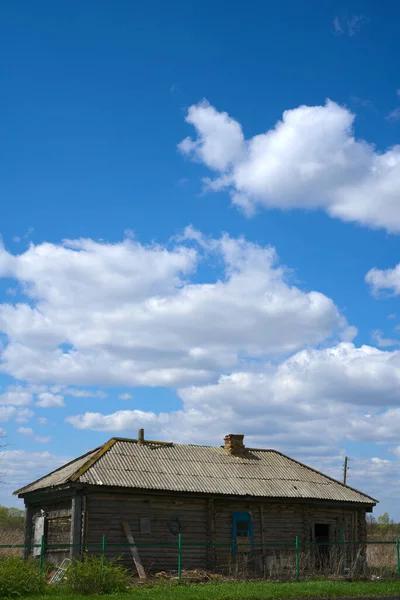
(20,468)
(394,114)
(125,396)
(220,141)
(16,397)
(48,400)
(78,393)
(307,404)
(349,25)
(22,415)
(7,413)
(43,439)
(127,314)
(310,159)
(42,420)
(26,431)
(122,420)
(383,342)
(337,27)
(384,280)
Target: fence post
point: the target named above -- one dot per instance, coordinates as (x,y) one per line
(42,547)
(398,557)
(179,557)
(103,551)
(342,551)
(297,559)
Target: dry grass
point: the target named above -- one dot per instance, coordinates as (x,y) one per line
(11,537)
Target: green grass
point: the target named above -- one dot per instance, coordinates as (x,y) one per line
(246,591)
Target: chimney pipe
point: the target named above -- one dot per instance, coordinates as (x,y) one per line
(141,436)
(234,444)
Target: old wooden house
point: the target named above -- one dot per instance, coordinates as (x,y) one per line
(221,496)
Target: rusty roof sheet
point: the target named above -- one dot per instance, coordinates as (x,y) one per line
(200,469)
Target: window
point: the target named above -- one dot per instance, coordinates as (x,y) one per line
(145,525)
(242,532)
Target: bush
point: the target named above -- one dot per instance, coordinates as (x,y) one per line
(20,578)
(91,576)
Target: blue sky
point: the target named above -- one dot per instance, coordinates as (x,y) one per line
(227,179)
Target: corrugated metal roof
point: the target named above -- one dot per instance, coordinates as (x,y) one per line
(201,469)
(60,476)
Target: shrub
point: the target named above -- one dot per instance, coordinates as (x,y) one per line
(91,576)
(20,578)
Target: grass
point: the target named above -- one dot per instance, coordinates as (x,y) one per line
(247,591)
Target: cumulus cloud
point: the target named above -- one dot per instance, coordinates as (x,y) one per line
(16,397)
(384,280)
(306,404)
(48,400)
(21,415)
(310,159)
(383,342)
(20,467)
(129,314)
(26,431)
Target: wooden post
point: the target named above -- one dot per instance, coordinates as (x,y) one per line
(179,557)
(134,550)
(76,527)
(345,469)
(210,550)
(28,525)
(262,538)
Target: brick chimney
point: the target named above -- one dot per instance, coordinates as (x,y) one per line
(234,444)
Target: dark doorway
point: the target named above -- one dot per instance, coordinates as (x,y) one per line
(322,537)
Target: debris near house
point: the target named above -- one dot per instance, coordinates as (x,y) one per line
(192,576)
(58,575)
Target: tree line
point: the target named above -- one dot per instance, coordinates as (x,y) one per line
(382,526)
(11,519)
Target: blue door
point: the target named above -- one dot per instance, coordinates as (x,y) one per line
(242,532)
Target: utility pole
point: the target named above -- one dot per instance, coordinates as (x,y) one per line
(345,469)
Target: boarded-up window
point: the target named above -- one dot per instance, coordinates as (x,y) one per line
(145,526)
(37,535)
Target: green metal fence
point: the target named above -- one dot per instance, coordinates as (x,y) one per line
(297,559)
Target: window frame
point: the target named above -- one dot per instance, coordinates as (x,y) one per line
(141,528)
(238,517)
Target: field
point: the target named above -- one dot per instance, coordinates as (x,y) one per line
(249,591)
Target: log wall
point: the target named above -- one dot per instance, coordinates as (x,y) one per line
(57,527)
(206,521)
(105,513)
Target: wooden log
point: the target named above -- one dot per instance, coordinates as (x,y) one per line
(76,527)
(134,550)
